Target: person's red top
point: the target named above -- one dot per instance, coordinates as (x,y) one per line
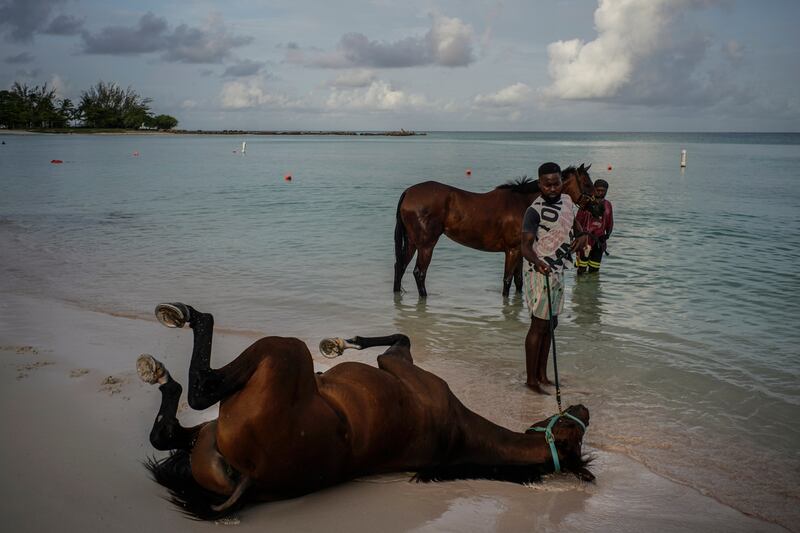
(597,228)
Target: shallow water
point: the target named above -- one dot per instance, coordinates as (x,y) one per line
(684,347)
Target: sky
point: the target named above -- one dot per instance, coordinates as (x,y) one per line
(424,65)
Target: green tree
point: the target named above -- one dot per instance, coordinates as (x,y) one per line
(165,122)
(107,105)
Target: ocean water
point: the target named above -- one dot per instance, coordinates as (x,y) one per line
(684,347)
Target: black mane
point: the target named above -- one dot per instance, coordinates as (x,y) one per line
(175,473)
(523,185)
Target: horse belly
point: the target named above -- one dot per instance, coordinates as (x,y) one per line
(287,445)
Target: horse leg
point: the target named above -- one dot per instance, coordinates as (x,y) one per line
(208,386)
(424,254)
(167,433)
(401,265)
(518,275)
(509,273)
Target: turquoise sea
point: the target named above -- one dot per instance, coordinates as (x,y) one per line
(684,347)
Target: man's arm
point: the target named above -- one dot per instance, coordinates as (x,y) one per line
(581,239)
(530,226)
(610,214)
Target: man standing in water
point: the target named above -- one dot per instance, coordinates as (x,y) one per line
(550,232)
(598,222)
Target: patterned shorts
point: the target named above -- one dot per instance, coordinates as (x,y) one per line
(536,293)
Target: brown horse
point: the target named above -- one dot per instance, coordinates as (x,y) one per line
(284,431)
(491,222)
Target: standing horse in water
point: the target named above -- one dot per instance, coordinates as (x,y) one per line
(490,222)
(284,431)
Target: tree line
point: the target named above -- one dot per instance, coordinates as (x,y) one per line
(104,105)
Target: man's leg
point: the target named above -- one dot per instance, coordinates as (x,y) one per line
(538,334)
(595,257)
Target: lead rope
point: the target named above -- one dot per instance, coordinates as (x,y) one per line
(553,337)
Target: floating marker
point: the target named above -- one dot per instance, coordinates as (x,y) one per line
(288,177)
(56,161)
(136,153)
(683,158)
(609,168)
(468,172)
(244,147)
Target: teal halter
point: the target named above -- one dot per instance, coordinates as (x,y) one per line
(548,435)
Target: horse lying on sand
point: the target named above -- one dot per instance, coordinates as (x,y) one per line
(284,431)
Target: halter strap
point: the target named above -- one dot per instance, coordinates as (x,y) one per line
(548,435)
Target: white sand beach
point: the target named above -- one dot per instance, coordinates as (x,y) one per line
(77,420)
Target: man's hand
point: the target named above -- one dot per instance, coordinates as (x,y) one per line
(541,266)
(580,243)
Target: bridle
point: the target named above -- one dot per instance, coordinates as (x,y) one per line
(584,199)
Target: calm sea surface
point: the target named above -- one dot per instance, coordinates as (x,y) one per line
(684,347)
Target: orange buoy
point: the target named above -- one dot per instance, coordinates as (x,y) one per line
(288,177)
(468,172)
(609,167)
(136,153)
(56,161)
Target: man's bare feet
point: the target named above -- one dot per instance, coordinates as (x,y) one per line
(535,387)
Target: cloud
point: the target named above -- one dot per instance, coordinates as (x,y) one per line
(185,44)
(64,25)
(209,45)
(733,51)
(24,18)
(513,95)
(641,55)
(149,35)
(379,96)
(238,95)
(19,59)
(243,68)
(353,79)
(448,43)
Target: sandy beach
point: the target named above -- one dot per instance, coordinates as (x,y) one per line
(77,419)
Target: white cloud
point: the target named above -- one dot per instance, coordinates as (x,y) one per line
(248,95)
(353,78)
(61,87)
(635,44)
(513,95)
(448,43)
(379,96)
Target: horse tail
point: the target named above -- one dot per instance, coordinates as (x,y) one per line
(175,473)
(400,244)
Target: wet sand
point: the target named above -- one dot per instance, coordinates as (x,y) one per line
(77,420)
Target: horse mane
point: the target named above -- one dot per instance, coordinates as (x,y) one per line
(520,474)
(523,185)
(175,473)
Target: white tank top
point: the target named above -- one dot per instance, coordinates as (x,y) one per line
(555,231)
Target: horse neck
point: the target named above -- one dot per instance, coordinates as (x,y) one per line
(572,188)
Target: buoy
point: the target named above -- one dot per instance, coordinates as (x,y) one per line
(234,151)
(468,172)
(244,147)
(683,158)
(56,161)
(136,153)
(288,177)
(609,168)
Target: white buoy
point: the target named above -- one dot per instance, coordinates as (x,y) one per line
(683,158)
(244,147)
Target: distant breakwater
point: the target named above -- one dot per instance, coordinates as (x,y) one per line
(398,133)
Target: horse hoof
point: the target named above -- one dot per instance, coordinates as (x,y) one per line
(173,315)
(150,369)
(332,347)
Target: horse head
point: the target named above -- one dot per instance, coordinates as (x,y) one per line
(568,429)
(578,185)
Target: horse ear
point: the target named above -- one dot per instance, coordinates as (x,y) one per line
(590,166)
(580,167)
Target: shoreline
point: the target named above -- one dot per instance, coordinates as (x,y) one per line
(103,131)
(69,380)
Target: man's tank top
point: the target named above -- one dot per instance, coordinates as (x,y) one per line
(554,234)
